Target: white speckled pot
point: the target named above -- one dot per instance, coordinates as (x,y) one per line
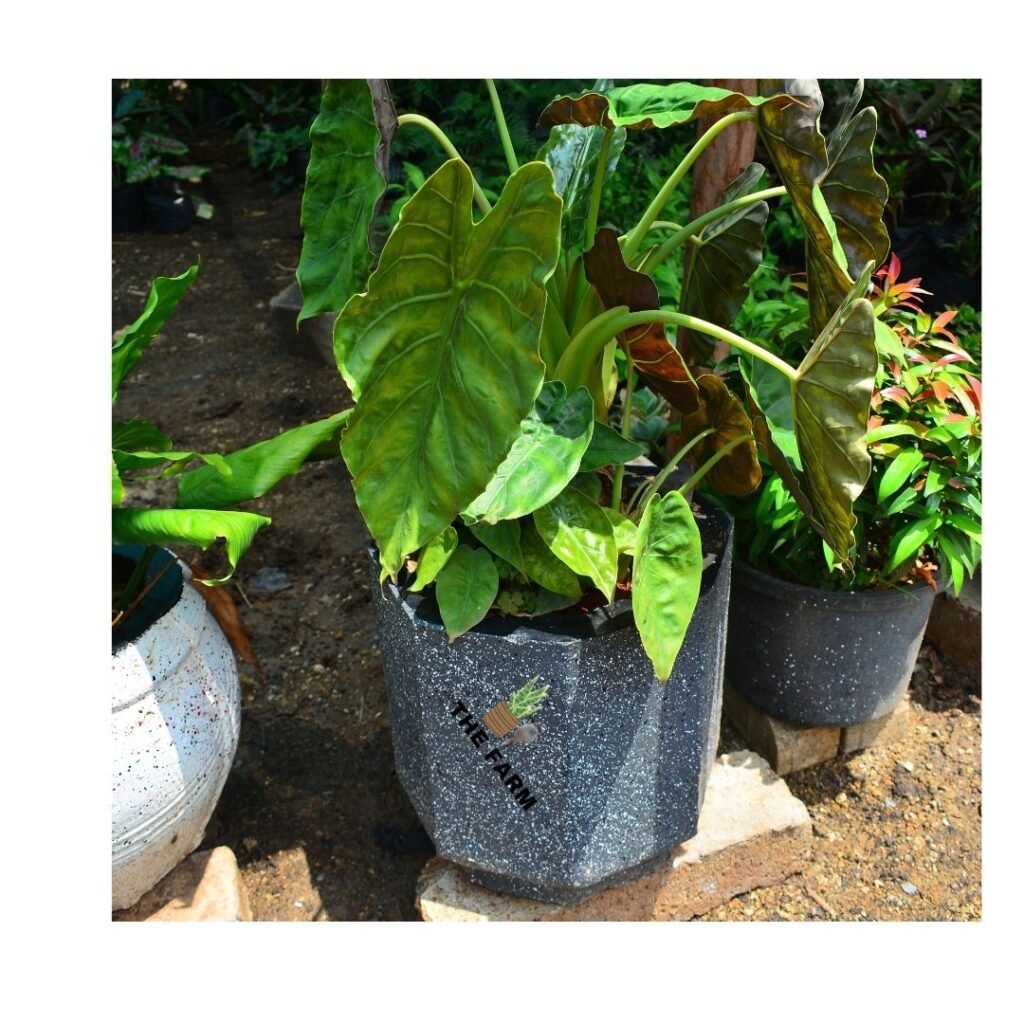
(176,714)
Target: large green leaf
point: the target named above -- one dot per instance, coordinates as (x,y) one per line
(772,396)
(164,295)
(139,435)
(466,588)
(667,570)
(831,398)
(345,180)
(608,448)
(442,352)
(717,270)
(834,187)
(543,459)
(579,533)
(201,527)
(258,468)
(572,153)
(643,106)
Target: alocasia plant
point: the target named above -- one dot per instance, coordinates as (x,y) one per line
(494,359)
(202,513)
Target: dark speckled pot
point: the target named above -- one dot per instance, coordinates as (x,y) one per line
(613,775)
(817,657)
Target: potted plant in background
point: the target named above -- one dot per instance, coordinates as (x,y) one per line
(147,174)
(816,646)
(176,704)
(494,364)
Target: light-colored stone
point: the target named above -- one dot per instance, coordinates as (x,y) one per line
(787,747)
(879,732)
(753,832)
(313,338)
(204,887)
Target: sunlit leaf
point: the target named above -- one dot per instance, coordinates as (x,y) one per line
(898,472)
(164,295)
(579,533)
(667,570)
(442,352)
(345,181)
(433,558)
(201,527)
(543,459)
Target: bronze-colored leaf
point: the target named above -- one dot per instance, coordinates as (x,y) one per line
(643,106)
(837,193)
(660,365)
(739,472)
(223,608)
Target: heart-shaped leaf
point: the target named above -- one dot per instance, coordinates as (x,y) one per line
(667,570)
(572,153)
(466,588)
(579,533)
(835,189)
(831,402)
(543,459)
(164,295)
(345,181)
(201,527)
(608,448)
(433,558)
(717,270)
(642,106)
(738,472)
(442,352)
(659,364)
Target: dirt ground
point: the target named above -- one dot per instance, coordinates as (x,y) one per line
(312,808)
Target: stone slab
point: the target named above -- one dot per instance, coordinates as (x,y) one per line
(787,747)
(752,833)
(204,887)
(880,732)
(313,338)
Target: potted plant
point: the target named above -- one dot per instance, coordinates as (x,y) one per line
(147,191)
(176,705)
(818,646)
(494,363)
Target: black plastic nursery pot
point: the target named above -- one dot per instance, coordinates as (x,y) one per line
(597,786)
(817,657)
(127,209)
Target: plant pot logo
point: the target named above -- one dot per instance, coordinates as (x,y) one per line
(507,718)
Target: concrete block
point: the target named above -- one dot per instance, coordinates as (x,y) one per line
(786,746)
(879,732)
(752,833)
(204,887)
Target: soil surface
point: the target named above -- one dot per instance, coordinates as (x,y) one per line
(312,808)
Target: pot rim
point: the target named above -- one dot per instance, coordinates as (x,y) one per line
(842,600)
(161,600)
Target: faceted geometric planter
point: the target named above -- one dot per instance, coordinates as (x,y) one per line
(595,787)
(175,720)
(820,657)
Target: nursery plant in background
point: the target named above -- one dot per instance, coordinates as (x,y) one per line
(176,706)
(495,362)
(148,169)
(847,652)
